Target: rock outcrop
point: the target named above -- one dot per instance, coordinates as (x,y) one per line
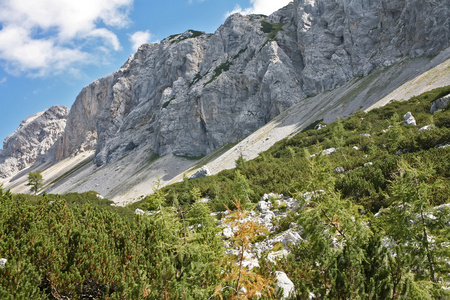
(194,92)
(33,140)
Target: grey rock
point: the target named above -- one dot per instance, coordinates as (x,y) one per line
(3,262)
(409,119)
(320,126)
(438,104)
(191,95)
(339,170)
(442,146)
(227,233)
(263,206)
(428,127)
(329,151)
(139,211)
(33,141)
(202,172)
(284,283)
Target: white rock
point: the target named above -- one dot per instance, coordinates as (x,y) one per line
(442,146)
(329,151)
(202,172)
(284,283)
(368,164)
(365,134)
(263,206)
(339,170)
(428,127)
(139,211)
(320,126)
(227,233)
(3,262)
(439,104)
(355,148)
(409,119)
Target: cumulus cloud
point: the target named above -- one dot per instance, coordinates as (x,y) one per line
(265,7)
(138,38)
(48,36)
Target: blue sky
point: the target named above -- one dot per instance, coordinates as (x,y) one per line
(50,49)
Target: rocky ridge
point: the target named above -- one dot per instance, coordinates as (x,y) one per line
(33,141)
(194,92)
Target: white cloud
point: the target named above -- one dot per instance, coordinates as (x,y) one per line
(265,7)
(140,37)
(50,36)
(3,80)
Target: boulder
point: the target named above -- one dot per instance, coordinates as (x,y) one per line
(409,119)
(263,206)
(202,172)
(3,262)
(339,170)
(428,127)
(320,126)
(284,283)
(439,104)
(329,151)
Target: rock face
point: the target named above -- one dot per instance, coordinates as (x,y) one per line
(193,93)
(33,140)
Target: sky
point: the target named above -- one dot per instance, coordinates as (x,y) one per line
(51,49)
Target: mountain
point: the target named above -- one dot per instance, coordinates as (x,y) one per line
(197,94)
(33,141)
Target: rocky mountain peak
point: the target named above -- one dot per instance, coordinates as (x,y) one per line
(32,140)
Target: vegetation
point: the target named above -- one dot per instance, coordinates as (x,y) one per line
(35,180)
(379,229)
(178,37)
(223,67)
(271,29)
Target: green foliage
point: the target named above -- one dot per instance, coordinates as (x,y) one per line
(79,246)
(35,180)
(178,37)
(223,67)
(59,251)
(271,29)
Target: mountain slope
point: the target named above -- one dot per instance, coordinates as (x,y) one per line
(195,93)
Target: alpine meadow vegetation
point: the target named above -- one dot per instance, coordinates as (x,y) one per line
(374,217)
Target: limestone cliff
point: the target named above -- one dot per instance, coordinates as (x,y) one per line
(33,140)
(194,92)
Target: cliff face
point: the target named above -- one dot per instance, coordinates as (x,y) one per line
(194,92)
(33,140)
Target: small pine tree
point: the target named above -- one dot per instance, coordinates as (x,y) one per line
(35,180)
